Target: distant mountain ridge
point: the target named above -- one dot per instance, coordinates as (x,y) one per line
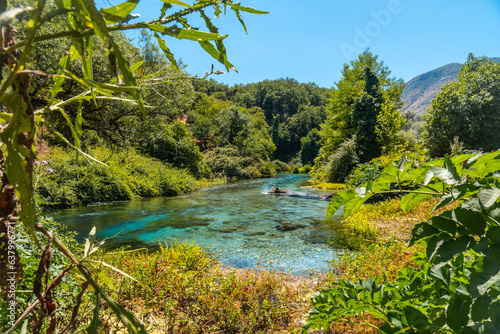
(420,90)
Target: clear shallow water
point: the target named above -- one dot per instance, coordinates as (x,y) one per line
(238,222)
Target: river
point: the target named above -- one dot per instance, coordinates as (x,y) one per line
(239,222)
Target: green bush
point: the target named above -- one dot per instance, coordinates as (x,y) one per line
(281,167)
(363,173)
(228,161)
(338,165)
(171,143)
(64,181)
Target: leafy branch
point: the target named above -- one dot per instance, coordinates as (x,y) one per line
(457,284)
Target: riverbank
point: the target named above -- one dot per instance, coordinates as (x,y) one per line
(62,181)
(184,288)
(239,222)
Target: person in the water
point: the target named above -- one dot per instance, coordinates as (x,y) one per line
(279,191)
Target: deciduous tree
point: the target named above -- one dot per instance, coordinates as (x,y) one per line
(467,108)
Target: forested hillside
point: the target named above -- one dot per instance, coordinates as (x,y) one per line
(290,108)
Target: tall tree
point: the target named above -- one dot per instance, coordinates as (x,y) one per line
(346,94)
(366,110)
(467,108)
(353,115)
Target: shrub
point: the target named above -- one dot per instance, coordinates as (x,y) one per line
(128,175)
(228,161)
(384,259)
(337,166)
(454,285)
(171,143)
(281,166)
(330,186)
(363,173)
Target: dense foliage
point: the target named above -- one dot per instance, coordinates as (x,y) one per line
(292,109)
(466,108)
(81,59)
(454,287)
(62,181)
(362,107)
(234,142)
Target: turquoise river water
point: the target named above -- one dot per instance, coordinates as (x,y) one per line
(239,222)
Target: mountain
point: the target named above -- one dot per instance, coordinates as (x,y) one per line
(420,90)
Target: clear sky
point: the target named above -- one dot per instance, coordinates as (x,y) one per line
(311,40)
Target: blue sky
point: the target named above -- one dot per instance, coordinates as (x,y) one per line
(311,40)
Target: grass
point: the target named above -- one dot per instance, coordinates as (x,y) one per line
(329,186)
(182,289)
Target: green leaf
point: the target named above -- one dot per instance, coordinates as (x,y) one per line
(88,241)
(190,34)
(119,12)
(480,309)
(95,323)
(447,199)
(100,85)
(166,6)
(443,224)
(493,235)
(386,178)
(166,51)
(213,29)
(338,201)
(354,204)
(133,68)
(473,221)
(116,269)
(8,15)
(488,196)
(393,171)
(422,231)
(127,75)
(220,57)
(495,313)
(447,250)
(409,201)
(444,175)
(97,18)
(59,80)
(414,175)
(247,9)
(484,276)
(416,318)
(457,314)
(177,2)
(24,329)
